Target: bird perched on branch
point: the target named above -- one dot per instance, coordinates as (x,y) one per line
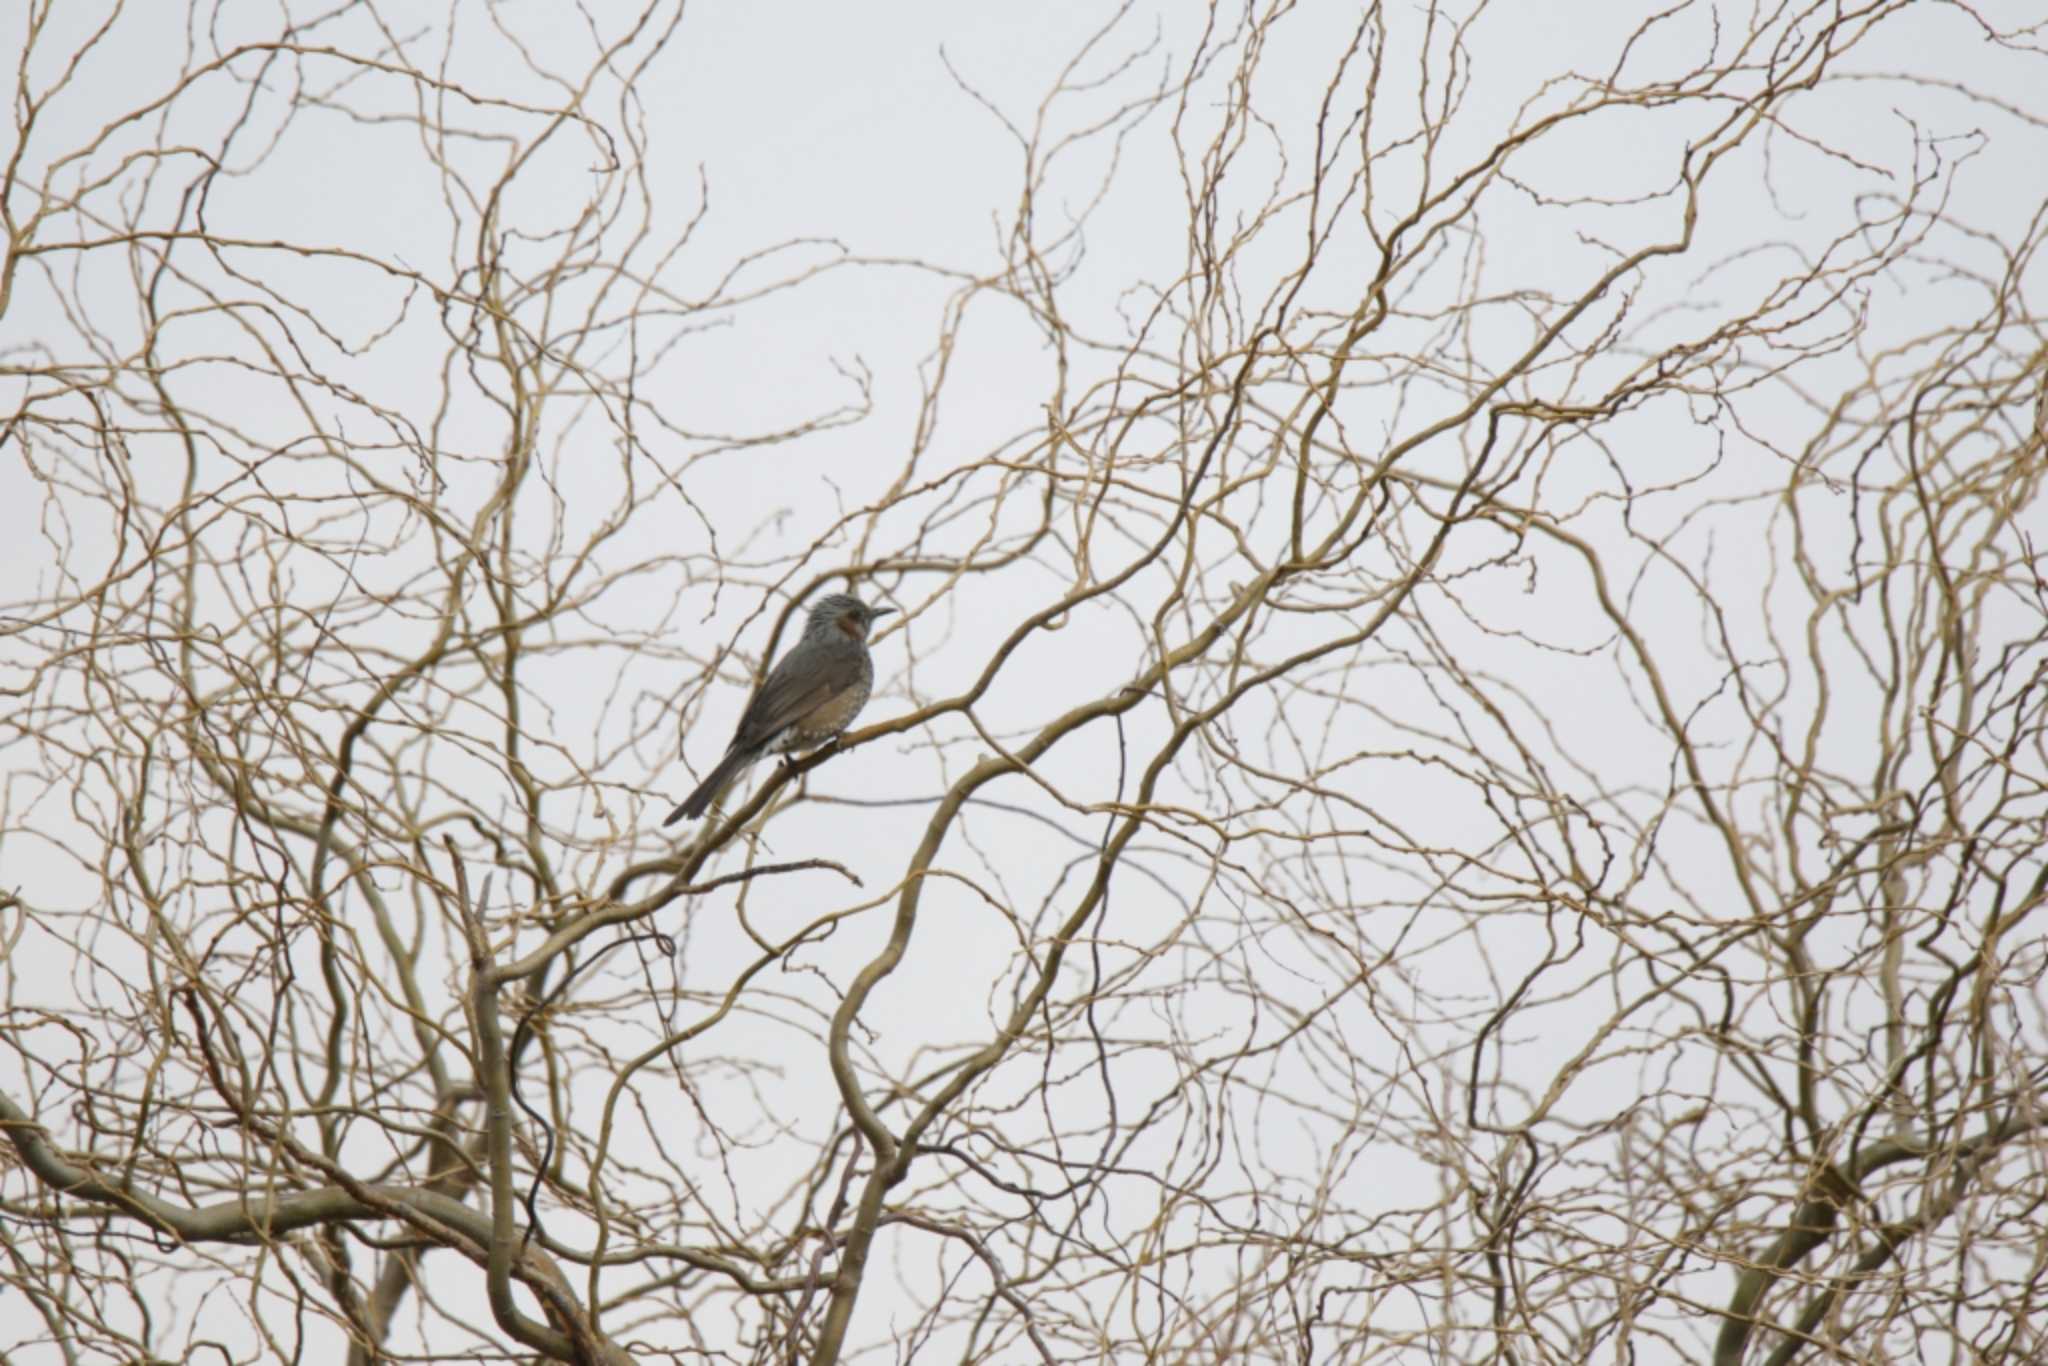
(807,699)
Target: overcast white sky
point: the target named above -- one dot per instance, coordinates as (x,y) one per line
(845,131)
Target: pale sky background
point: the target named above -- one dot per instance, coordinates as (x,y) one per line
(840,127)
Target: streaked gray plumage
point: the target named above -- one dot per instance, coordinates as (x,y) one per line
(809,697)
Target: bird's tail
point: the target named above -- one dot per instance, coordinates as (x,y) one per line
(734,763)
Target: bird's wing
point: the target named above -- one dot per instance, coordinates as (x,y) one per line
(790,694)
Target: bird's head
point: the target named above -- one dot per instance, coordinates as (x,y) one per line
(844,612)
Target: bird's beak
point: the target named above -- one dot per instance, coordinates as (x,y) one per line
(877,613)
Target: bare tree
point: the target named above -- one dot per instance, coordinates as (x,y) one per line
(1462,776)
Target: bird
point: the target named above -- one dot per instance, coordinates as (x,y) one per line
(808,698)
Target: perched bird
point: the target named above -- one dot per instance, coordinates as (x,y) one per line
(808,698)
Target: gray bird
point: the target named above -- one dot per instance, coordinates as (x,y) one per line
(808,698)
